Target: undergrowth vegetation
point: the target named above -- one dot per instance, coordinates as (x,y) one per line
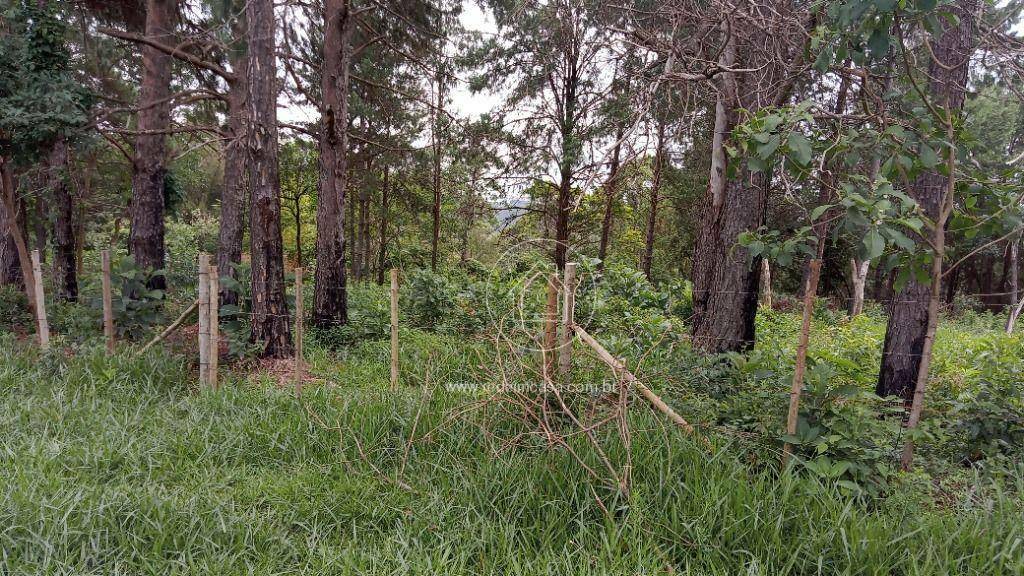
(121,464)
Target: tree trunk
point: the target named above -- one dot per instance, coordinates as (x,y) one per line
(65,269)
(907,331)
(146,235)
(231,234)
(382,253)
(858,279)
(1013,286)
(14,264)
(820,227)
(41,216)
(364,228)
(270,321)
(330,303)
(436,143)
(725,282)
(298,231)
(611,190)
(652,216)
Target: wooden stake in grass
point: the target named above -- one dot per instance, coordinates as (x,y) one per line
(42,324)
(551,328)
(204,318)
(568,319)
(394,328)
(801,357)
(108,302)
(214,353)
(299,312)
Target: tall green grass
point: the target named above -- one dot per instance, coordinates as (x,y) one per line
(121,466)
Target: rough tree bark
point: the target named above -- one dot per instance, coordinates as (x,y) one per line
(270,320)
(232,201)
(330,306)
(436,144)
(13,251)
(146,236)
(64,244)
(725,283)
(907,330)
(725,278)
(570,154)
(652,215)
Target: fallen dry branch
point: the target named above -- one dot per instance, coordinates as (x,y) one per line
(170,329)
(629,378)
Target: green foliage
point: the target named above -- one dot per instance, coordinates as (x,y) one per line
(243,479)
(990,417)
(845,434)
(14,309)
(39,97)
(136,308)
(428,297)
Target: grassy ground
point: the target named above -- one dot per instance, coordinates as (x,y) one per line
(119,466)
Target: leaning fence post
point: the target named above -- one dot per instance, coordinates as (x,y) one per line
(568,319)
(394,328)
(213,355)
(204,318)
(42,324)
(298,330)
(801,357)
(108,302)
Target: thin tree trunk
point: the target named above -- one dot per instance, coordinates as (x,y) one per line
(65,269)
(15,249)
(820,227)
(364,226)
(436,176)
(146,235)
(1013,286)
(859,279)
(270,321)
(41,216)
(330,302)
(382,253)
(907,339)
(567,163)
(298,231)
(611,191)
(231,234)
(652,215)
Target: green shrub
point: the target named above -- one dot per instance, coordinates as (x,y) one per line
(14,309)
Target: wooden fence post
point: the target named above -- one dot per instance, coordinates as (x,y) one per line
(394,328)
(568,319)
(550,347)
(801,357)
(42,324)
(204,318)
(108,302)
(213,356)
(299,312)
